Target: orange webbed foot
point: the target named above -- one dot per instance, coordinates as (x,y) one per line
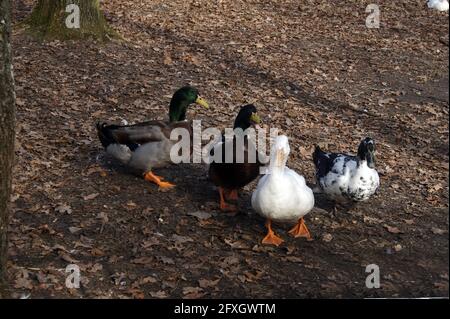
(233,195)
(300,230)
(271,238)
(227,207)
(224,206)
(158,180)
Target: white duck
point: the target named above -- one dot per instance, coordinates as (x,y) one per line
(440,5)
(282,195)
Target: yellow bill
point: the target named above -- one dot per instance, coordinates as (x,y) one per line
(255,118)
(202,102)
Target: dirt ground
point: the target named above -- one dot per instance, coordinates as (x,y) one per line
(314,70)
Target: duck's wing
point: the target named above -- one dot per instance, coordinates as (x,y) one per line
(132,135)
(330,162)
(323,162)
(297,177)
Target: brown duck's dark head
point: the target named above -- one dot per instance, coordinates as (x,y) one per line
(247,116)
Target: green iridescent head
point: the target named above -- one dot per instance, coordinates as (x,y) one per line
(181,100)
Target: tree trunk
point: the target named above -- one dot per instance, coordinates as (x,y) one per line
(7,131)
(57,19)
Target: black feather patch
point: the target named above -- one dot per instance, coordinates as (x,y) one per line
(104,134)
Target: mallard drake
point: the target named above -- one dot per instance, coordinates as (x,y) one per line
(147,145)
(233,175)
(282,195)
(346,178)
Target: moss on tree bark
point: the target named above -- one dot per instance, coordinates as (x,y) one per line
(48,21)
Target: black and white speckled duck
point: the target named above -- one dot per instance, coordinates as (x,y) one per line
(345,178)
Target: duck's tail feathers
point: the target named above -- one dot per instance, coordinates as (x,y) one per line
(104,134)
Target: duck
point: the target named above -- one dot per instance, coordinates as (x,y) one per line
(440,5)
(347,178)
(282,195)
(147,145)
(230,176)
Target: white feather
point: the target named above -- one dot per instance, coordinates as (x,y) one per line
(282,195)
(120,152)
(151,155)
(440,5)
(347,180)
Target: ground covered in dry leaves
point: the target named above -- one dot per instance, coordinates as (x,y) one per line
(313,69)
